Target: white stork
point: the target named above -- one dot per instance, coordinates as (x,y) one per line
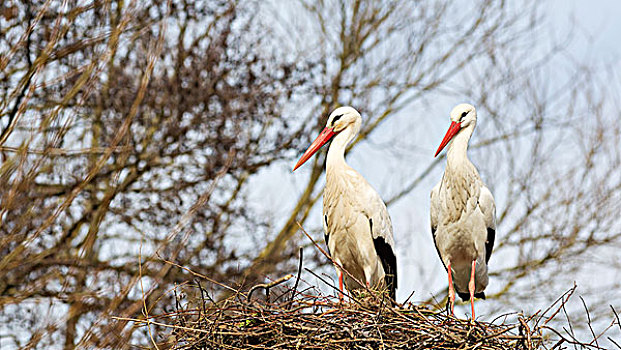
(463,213)
(357,227)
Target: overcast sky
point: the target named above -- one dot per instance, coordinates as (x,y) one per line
(597,25)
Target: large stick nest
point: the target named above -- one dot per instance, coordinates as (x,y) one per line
(316,323)
(296,320)
(287,318)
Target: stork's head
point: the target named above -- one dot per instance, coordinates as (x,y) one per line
(462,116)
(342,118)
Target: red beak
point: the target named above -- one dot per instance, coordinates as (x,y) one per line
(452,131)
(325,136)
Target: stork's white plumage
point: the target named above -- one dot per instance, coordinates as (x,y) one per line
(357,227)
(463,213)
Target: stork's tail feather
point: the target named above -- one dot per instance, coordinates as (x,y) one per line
(392,288)
(466,296)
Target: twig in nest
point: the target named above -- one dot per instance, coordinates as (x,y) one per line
(267,286)
(563,299)
(614,342)
(589,321)
(617,316)
(297,279)
(527,331)
(203,292)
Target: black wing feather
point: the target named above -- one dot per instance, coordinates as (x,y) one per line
(489,243)
(389,263)
(326,236)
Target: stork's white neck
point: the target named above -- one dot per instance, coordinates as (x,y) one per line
(336,152)
(460,176)
(457,154)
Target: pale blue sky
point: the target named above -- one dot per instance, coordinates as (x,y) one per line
(597,25)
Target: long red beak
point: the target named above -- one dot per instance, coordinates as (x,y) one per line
(325,136)
(452,131)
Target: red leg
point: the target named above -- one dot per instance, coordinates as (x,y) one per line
(340,285)
(471,286)
(451,290)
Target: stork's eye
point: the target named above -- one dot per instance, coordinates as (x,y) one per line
(463,115)
(336,119)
